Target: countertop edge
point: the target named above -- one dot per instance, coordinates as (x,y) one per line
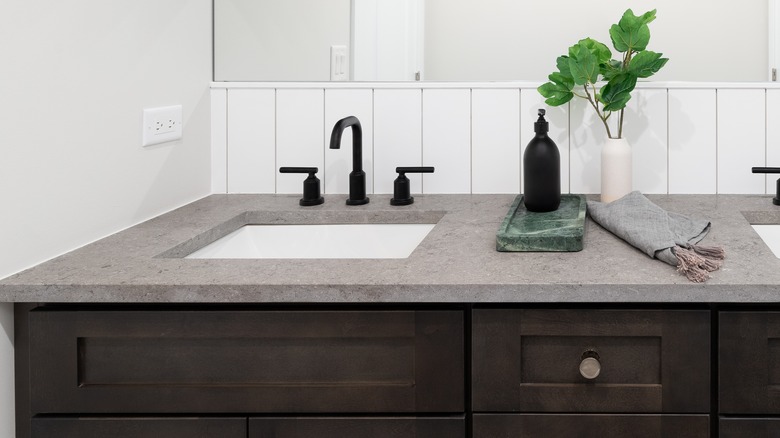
(377,294)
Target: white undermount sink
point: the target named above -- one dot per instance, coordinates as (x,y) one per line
(770,234)
(321,241)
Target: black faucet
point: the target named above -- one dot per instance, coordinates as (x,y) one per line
(357,178)
(776,199)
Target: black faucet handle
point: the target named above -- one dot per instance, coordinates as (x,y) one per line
(311,185)
(766,170)
(776,199)
(309,170)
(401,191)
(423,169)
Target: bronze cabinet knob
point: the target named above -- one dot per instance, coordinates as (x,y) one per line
(590,367)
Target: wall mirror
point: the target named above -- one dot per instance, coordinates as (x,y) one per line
(478,40)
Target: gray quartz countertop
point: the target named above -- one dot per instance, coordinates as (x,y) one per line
(457,261)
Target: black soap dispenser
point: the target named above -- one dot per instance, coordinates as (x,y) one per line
(542,170)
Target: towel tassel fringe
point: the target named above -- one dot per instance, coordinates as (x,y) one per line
(696,262)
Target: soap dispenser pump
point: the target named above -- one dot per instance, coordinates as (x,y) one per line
(542,170)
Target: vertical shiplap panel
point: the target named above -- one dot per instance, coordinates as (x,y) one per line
(446,141)
(300,118)
(397,136)
(218,140)
(588,136)
(340,103)
(495,140)
(251,135)
(646,129)
(558,118)
(772,138)
(692,141)
(741,140)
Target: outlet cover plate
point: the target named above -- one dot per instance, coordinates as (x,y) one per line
(162,124)
(338,63)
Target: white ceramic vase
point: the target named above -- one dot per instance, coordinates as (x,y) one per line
(615,169)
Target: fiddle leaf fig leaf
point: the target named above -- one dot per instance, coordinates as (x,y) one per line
(647,17)
(584,67)
(646,64)
(563,65)
(555,94)
(625,40)
(601,51)
(561,79)
(616,94)
(631,33)
(611,69)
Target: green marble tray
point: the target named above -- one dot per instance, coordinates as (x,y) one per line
(559,230)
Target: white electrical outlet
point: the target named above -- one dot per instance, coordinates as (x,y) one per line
(162,124)
(338,63)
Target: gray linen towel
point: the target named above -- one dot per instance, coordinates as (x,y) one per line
(669,237)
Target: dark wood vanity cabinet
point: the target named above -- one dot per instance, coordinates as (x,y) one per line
(749,362)
(527,378)
(749,377)
(87,427)
(590,425)
(93,371)
(736,427)
(401,372)
(366,427)
(237,427)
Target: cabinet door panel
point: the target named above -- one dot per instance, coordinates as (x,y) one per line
(364,427)
(139,427)
(651,361)
(749,361)
(749,428)
(590,426)
(246,361)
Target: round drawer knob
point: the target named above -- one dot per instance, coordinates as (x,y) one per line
(590,367)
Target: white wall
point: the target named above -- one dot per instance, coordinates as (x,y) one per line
(74,80)
(285,40)
(717,40)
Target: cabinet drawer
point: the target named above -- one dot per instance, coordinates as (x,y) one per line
(363,427)
(139,427)
(650,361)
(590,426)
(156,362)
(749,428)
(749,361)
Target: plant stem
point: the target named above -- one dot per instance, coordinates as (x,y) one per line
(596,107)
(626,62)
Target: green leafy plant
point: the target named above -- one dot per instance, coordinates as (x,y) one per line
(590,62)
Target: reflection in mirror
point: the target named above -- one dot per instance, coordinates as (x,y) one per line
(470,40)
(268,40)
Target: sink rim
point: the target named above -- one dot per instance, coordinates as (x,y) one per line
(298,217)
(317,241)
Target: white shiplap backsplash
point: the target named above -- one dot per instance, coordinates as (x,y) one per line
(686,137)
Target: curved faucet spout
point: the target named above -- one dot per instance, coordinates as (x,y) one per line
(357,178)
(357,140)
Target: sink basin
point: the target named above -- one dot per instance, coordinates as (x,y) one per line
(343,241)
(770,234)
